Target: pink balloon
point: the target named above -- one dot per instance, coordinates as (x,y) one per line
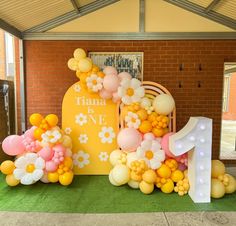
(51,166)
(111,82)
(129,139)
(124,75)
(165,145)
(182,167)
(115,97)
(13,145)
(46,153)
(30,132)
(110,70)
(59,148)
(149,136)
(105,94)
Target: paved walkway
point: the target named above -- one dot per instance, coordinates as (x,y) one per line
(141,219)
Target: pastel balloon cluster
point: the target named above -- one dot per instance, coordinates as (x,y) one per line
(221,182)
(46,157)
(80,62)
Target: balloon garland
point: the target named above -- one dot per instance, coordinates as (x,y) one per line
(143,161)
(43,153)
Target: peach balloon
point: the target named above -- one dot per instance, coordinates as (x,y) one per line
(165,145)
(105,94)
(129,139)
(115,97)
(110,70)
(111,82)
(149,136)
(124,75)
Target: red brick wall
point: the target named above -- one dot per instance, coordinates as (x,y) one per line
(48,77)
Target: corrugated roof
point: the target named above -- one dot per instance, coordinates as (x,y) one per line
(203,3)
(227,8)
(29,13)
(84,2)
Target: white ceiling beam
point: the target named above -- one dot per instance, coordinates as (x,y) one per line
(83,10)
(219,18)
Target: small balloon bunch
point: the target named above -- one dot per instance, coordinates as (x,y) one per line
(43,153)
(221,182)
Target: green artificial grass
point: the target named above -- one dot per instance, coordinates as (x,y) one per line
(94,194)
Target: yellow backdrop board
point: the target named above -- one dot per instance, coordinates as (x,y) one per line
(92,123)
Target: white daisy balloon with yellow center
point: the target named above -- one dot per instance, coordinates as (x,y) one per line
(151,152)
(29,168)
(131,91)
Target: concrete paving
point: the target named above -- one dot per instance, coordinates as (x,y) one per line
(134,219)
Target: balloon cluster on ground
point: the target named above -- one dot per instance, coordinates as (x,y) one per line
(221,182)
(43,153)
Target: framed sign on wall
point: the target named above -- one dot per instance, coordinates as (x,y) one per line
(131,62)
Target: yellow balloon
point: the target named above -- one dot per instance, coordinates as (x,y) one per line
(121,174)
(67,142)
(149,176)
(164,171)
(73,64)
(168,187)
(66,178)
(52,120)
(115,156)
(133,184)
(217,168)
(53,177)
(68,162)
(37,133)
(11,180)
(112,180)
(177,175)
(231,187)
(146,188)
(36,119)
(217,189)
(79,54)
(85,65)
(7,167)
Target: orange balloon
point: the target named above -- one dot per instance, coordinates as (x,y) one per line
(52,120)
(37,133)
(36,119)
(145,127)
(158,132)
